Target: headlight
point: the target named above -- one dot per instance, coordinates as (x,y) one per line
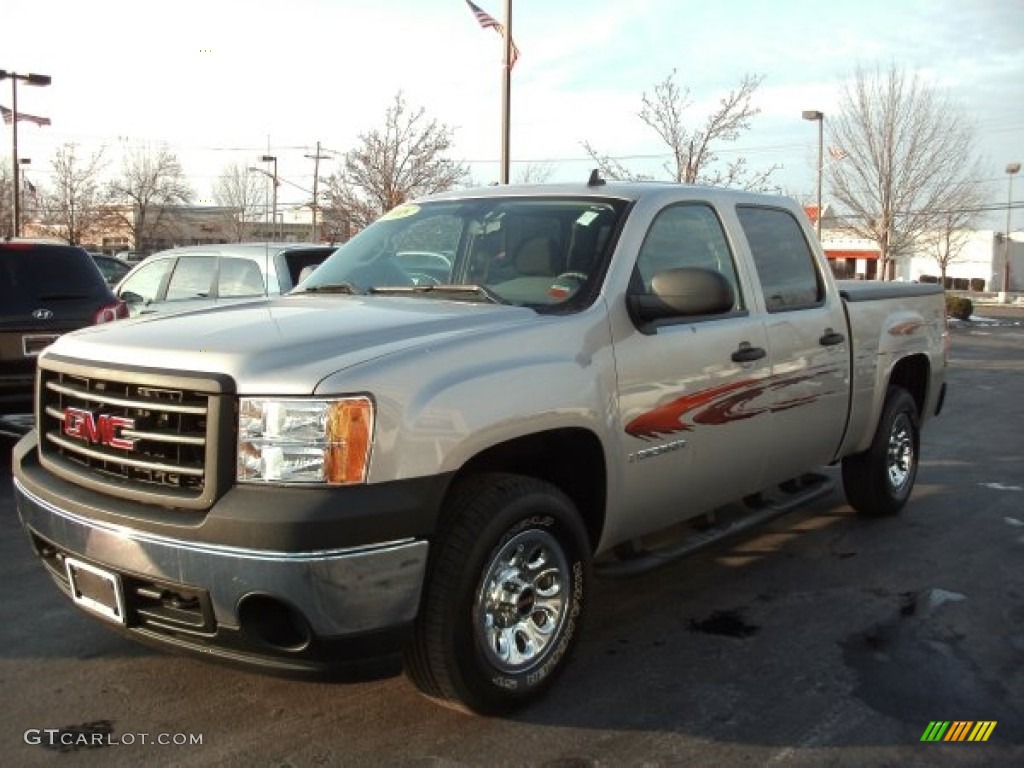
(304,441)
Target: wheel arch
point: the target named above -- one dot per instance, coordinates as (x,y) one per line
(570,458)
(912,373)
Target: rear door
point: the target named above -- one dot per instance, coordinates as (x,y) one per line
(807,339)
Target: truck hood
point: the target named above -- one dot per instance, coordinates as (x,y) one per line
(285,345)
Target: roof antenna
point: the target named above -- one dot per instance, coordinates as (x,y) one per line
(595,178)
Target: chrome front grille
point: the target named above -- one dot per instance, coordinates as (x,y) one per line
(129,437)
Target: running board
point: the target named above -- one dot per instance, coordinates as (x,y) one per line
(797,494)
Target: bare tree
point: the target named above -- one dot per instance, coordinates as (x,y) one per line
(151,181)
(403,160)
(6,199)
(951,231)
(243,195)
(72,209)
(534,173)
(909,156)
(695,153)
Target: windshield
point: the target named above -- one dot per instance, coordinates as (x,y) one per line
(537,252)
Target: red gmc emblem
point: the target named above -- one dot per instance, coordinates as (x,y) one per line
(102,429)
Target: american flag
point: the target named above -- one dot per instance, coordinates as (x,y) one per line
(486,21)
(9,117)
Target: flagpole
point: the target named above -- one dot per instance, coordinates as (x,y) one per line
(14,154)
(506,94)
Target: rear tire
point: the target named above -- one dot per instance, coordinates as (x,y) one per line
(878,481)
(504,596)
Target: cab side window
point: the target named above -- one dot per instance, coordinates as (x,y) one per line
(192,278)
(686,235)
(144,285)
(785,264)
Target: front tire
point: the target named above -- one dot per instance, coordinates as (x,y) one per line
(504,596)
(878,481)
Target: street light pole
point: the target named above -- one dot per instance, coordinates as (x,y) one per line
(31,79)
(273,205)
(815,115)
(1011,170)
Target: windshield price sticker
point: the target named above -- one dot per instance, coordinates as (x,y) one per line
(401,212)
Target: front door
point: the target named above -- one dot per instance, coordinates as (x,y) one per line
(691,392)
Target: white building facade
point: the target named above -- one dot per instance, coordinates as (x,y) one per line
(980,264)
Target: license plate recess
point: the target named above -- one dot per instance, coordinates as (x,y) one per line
(96,589)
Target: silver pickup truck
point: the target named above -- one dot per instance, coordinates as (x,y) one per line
(425,452)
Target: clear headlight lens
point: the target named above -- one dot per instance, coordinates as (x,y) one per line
(304,441)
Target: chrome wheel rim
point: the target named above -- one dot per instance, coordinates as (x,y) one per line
(900,463)
(521,602)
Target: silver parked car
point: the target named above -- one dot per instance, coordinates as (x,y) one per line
(198,276)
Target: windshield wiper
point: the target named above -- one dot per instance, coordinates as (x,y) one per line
(478,290)
(347,288)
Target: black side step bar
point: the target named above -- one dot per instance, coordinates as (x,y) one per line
(799,494)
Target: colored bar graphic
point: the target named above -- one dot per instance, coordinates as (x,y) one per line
(959,730)
(935,731)
(982,730)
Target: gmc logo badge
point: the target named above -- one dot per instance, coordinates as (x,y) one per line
(103,429)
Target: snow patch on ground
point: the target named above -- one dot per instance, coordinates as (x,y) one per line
(1001,487)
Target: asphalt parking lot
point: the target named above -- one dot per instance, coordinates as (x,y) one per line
(820,640)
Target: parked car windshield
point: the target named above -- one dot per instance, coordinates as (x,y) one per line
(538,252)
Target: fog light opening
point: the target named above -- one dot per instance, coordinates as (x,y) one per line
(274,623)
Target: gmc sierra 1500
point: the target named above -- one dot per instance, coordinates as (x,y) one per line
(428,447)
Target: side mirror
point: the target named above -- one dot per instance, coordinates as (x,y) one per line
(682,292)
(130,298)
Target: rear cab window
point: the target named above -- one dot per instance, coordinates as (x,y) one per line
(300,262)
(785,264)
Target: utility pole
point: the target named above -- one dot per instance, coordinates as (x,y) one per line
(316,181)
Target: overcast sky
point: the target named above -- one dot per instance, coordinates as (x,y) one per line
(222,81)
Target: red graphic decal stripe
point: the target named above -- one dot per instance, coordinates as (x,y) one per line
(724,404)
(667,419)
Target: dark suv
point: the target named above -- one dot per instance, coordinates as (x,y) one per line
(46,289)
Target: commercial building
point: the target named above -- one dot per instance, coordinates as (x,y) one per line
(977,259)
